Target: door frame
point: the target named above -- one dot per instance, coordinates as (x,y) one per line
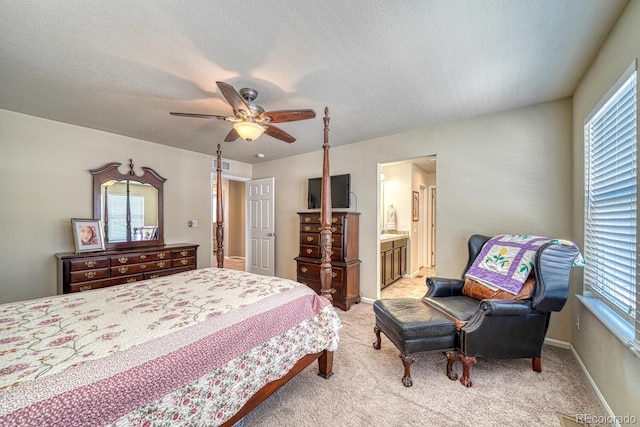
(225,202)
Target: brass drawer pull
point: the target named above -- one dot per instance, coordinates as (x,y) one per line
(161,255)
(90,274)
(184,261)
(307,228)
(143,266)
(90,264)
(309,239)
(161,264)
(143,257)
(307,219)
(334,274)
(303,269)
(131,280)
(123,260)
(154,276)
(184,253)
(333,229)
(84,288)
(334,220)
(309,250)
(123,269)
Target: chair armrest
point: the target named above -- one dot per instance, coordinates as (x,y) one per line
(505,307)
(443,287)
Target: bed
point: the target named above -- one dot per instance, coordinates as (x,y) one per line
(202,347)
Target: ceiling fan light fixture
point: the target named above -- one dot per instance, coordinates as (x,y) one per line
(249,131)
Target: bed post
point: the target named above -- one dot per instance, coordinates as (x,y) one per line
(325,216)
(219,212)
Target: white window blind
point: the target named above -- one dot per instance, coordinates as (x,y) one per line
(611,200)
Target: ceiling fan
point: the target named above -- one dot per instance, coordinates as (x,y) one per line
(249,119)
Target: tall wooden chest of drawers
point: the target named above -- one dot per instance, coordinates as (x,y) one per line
(345,265)
(85,271)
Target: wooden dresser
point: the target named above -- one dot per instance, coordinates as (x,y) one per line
(85,271)
(345,265)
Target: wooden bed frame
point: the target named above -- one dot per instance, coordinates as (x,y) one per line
(325,358)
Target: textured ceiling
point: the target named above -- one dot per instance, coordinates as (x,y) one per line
(382,67)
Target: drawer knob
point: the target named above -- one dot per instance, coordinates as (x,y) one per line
(161,264)
(143,266)
(90,264)
(123,260)
(85,288)
(161,255)
(307,219)
(154,276)
(334,274)
(184,261)
(307,228)
(123,269)
(90,274)
(143,257)
(304,269)
(334,220)
(309,239)
(309,250)
(131,280)
(183,253)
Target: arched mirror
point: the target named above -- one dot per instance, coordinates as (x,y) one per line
(130,206)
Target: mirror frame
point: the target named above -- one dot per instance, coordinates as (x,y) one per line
(110,172)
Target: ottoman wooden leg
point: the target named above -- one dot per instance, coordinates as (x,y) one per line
(451,360)
(467,363)
(407,361)
(376,344)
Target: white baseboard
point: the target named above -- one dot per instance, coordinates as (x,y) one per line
(367,300)
(557,343)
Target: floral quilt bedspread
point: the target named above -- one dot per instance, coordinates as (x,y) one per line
(190,348)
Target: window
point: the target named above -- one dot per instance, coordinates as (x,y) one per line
(611,201)
(117,216)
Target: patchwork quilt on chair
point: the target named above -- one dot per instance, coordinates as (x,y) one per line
(506,261)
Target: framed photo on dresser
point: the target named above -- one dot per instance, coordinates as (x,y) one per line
(87,235)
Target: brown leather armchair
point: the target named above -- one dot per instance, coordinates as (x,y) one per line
(501,328)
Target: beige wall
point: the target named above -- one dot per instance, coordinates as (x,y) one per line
(45,182)
(508,172)
(613,368)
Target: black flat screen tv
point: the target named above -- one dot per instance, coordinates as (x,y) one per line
(340,192)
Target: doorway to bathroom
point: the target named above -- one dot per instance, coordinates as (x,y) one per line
(407,210)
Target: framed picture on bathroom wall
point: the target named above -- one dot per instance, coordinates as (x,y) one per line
(414,205)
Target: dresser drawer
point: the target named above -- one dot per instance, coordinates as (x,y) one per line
(317,228)
(316,285)
(184,253)
(96,284)
(140,258)
(84,275)
(314,252)
(313,239)
(88,264)
(123,270)
(183,262)
(312,271)
(161,273)
(314,218)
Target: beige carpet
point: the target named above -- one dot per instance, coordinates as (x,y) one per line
(365,389)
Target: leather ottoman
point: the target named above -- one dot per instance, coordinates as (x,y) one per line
(412,326)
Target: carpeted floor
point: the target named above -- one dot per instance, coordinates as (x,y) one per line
(366,390)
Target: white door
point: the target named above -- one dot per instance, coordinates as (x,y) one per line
(260,256)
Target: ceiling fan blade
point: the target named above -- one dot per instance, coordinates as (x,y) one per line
(233,97)
(232,135)
(278,133)
(281,116)
(201,116)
